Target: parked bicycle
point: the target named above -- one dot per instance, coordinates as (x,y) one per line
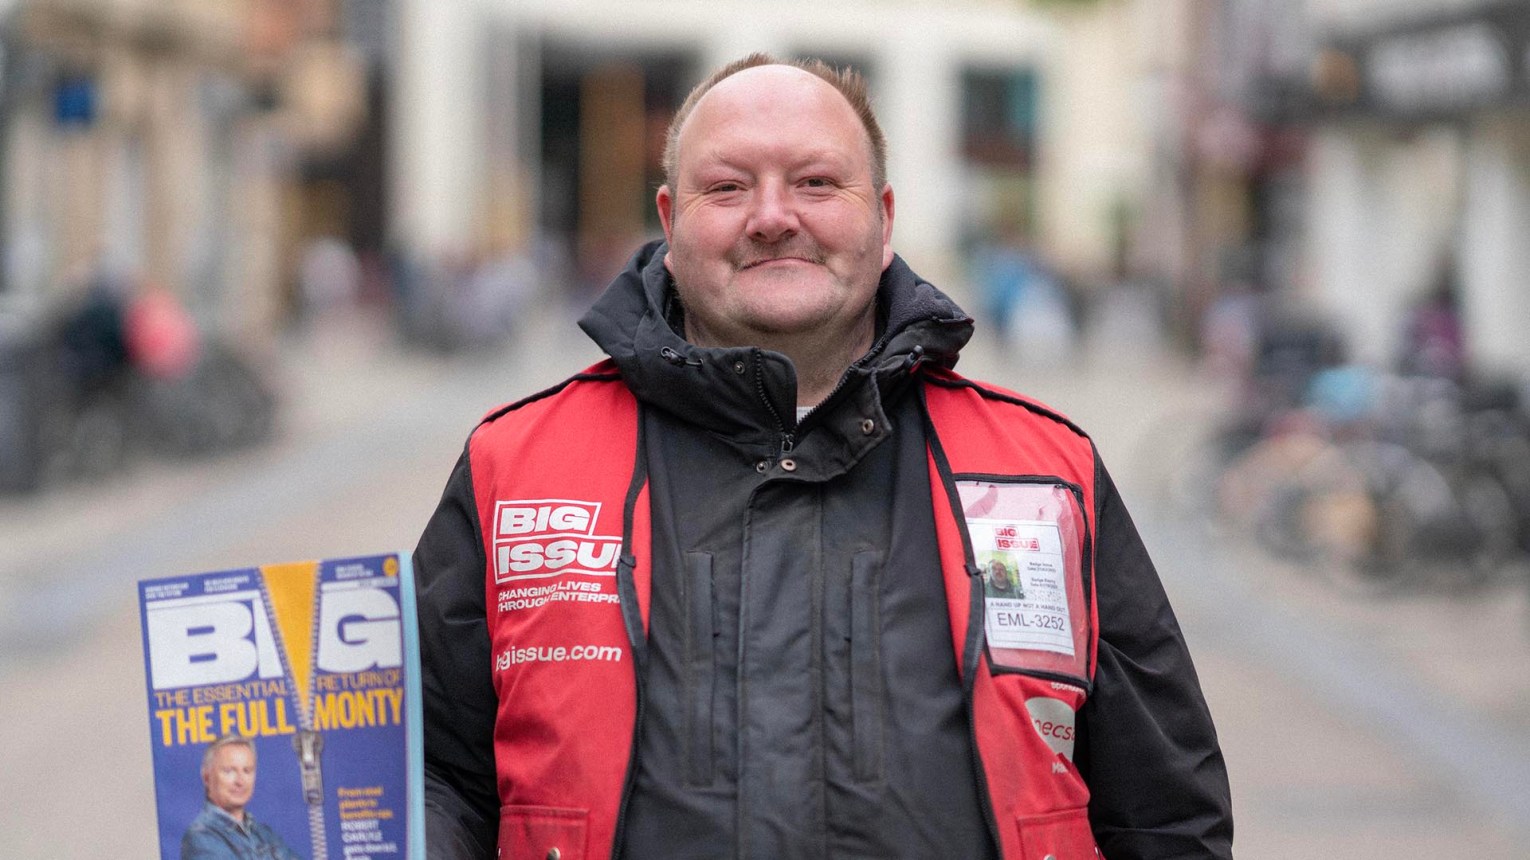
(1417,489)
(104,381)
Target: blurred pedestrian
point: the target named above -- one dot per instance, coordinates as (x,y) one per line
(1005,270)
(162,337)
(1433,341)
(1024,299)
(721,596)
(90,339)
(329,278)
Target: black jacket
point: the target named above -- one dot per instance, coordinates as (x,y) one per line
(761,736)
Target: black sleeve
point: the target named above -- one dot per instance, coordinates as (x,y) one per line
(1146,745)
(461,796)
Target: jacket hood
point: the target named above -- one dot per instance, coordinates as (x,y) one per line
(637,321)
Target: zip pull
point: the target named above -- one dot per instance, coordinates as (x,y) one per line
(915,357)
(670,355)
(788,441)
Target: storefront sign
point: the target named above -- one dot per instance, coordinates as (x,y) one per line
(1451,68)
(1437,69)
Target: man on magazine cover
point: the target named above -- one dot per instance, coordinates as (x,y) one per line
(225,829)
(721,595)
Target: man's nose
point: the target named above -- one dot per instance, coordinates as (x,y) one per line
(772,215)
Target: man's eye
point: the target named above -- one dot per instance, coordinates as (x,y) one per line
(725,187)
(817,182)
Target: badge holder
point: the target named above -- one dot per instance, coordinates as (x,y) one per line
(1028,542)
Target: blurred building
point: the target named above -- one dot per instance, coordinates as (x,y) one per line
(542,121)
(168,142)
(1421,167)
(1223,178)
(1413,126)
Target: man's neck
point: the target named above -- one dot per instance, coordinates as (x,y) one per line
(236,814)
(820,370)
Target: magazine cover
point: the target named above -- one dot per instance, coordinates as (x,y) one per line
(284,711)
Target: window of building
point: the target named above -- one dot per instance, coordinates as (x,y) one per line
(999,117)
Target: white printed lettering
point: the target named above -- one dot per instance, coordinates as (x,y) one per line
(201,640)
(513,656)
(359,629)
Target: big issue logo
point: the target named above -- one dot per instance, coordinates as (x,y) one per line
(1009,537)
(542,538)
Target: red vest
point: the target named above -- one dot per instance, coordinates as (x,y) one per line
(566,534)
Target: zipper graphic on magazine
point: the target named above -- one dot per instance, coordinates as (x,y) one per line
(306,742)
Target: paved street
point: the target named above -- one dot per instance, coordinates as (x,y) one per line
(1390,729)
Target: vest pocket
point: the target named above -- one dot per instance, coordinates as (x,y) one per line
(866,665)
(542,833)
(701,671)
(1028,539)
(1057,836)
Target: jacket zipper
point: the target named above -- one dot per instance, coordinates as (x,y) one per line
(916,355)
(876,349)
(788,437)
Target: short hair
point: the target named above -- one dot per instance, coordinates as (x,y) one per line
(850,84)
(220,743)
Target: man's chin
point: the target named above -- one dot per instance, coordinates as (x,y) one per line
(789,324)
(783,282)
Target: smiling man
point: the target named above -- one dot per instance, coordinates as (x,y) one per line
(778,225)
(225,830)
(722,595)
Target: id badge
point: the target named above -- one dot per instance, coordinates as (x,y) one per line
(1028,542)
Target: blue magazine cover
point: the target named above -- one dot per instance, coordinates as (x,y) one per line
(284,711)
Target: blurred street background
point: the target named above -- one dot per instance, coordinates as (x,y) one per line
(264,263)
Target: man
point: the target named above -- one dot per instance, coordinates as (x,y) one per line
(1002,581)
(225,829)
(719,596)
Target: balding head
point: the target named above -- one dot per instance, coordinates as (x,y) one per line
(847,82)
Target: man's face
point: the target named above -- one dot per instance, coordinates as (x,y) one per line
(230,780)
(775,228)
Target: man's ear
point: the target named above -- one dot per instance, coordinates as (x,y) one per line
(665,202)
(886,202)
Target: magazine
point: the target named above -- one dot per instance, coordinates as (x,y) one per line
(284,711)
